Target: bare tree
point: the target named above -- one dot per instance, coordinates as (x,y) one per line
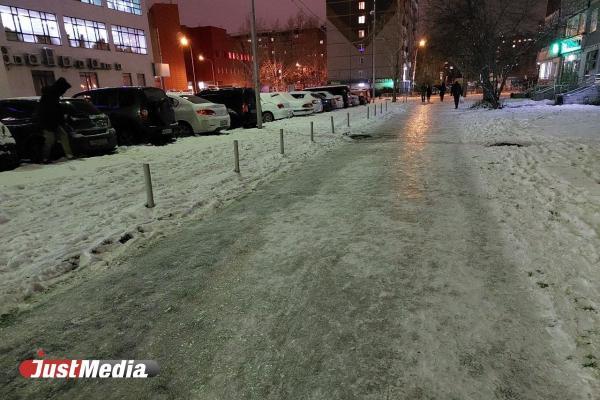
(477,35)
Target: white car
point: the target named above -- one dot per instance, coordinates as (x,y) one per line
(8,150)
(299,106)
(338,101)
(275,107)
(197,115)
(309,96)
(354,100)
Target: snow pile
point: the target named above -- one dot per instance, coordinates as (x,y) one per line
(5,136)
(82,213)
(546,196)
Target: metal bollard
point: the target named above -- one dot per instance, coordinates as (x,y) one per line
(332,125)
(368,112)
(312,131)
(386,105)
(348,120)
(149,191)
(375,110)
(281,145)
(236,155)
(381,108)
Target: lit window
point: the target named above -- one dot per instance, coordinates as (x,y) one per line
(127,79)
(129,40)
(94,2)
(128,6)
(362,19)
(594,21)
(86,34)
(361,33)
(361,5)
(29,26)
(88,80)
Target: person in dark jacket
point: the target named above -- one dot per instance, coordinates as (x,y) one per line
(423,93)
(52,118)
(443,90)
(429,92)
(456,91)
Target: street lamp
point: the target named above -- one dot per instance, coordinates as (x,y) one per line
(422,45)
(185,42)
(212,65)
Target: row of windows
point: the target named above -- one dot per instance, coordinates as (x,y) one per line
(87,80)
(128,6)
(576,24)
(31,26)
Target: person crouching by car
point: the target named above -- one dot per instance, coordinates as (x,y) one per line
(52,119)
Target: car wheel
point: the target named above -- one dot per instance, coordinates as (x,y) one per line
(185,129)
(268,117)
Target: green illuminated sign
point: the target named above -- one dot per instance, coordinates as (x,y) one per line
(565,46)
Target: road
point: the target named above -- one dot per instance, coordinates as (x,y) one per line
(374,272)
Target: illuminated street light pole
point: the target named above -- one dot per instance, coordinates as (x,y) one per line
(212,65)
(422,44)
(259,121)
(185,42)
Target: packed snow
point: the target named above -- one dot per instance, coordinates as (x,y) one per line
(546,195)
(82,213)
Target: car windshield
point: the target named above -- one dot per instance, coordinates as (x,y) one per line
(80,107)
(298,95)
(18,109)
(195,99)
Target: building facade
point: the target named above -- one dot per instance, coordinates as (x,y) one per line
(352,30)
(291,58)
(207,55)
(91,43)
(571,59)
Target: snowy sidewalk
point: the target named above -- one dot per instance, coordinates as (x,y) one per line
(57,218)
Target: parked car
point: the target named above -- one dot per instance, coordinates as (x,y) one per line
(240,102)
(354,100)
(274,107)
(328,103)
(90,131)
(139,114)
(336,90)
(299,106)
(197,115)
(363,96)
(316,100)
(8,150)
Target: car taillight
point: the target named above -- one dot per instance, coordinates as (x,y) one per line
(245,108)
(280,106)
(144,114)
(307,105)
(205,112)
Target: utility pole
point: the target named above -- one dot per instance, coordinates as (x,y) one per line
(259,120)
(373,45)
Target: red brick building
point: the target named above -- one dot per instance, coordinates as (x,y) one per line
(165,33)
(216,57)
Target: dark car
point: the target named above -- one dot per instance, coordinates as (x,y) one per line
(241,103)
(89,129)
(8,150)
(139,114)
(327,103)
(337,90)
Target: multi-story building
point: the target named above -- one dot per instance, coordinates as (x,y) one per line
(91,43)
(207,55)
(295,58)
(352,30)
(571,58)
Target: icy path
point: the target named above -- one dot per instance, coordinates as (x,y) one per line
(375,271)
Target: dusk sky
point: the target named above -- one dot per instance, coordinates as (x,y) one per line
(231,14)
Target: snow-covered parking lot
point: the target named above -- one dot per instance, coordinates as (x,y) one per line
(81,213)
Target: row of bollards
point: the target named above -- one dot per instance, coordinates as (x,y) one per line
(236,152)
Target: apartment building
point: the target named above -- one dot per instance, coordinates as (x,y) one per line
(353,26)
(91,43)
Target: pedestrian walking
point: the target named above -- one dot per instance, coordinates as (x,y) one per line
(443,90)
(456,92)
(429,92)
(423,93)
(52,119)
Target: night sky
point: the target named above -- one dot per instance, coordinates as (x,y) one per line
(231,14)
